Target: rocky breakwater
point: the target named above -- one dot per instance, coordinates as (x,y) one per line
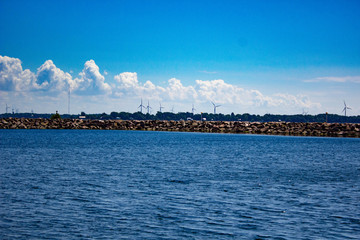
(269,128)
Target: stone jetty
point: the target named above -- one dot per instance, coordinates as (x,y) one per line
(268,128)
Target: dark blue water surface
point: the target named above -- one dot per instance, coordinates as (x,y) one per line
(74,184)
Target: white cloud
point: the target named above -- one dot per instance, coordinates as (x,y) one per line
(128,85)
(12,76)
(50,78)
(298,100)
(225,93)
(127,80)
(219,91)
(91,82)
(176,91)
(204,91)
(353,79)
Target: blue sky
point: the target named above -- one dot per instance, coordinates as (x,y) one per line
(250,56)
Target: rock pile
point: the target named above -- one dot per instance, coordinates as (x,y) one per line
(270,128)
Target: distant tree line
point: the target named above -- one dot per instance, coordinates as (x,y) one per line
(205,116)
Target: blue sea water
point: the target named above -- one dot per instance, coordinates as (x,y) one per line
(82,184)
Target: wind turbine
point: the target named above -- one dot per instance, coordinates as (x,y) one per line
(305,112)
(148,107)
(141,106)
(161,107)
(215,106)
(7,107)
(193,109)
(69,100)
(345,107)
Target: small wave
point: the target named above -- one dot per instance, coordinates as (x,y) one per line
(180,181)
(352,220)
(79,199)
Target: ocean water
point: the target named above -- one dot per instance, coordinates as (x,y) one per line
(82,184)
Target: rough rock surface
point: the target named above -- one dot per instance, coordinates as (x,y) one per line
(269,128)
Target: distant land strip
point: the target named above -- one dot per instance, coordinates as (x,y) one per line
(245,117)
(267,128)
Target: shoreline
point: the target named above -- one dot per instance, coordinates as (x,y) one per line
(263,128)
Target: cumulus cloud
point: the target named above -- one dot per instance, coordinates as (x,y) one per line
(12,76)
(176,91)
(225,93)
(127,80)
(353,79)
(128,85)
(50,78)
(222,92)
(291,100)
(219,91)
(91,82)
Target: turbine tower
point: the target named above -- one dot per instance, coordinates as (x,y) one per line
(148,107)
(141,106)
(345,107)
(215,106)
(161,107)
(193,109)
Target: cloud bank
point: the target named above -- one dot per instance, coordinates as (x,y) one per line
(49,79)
